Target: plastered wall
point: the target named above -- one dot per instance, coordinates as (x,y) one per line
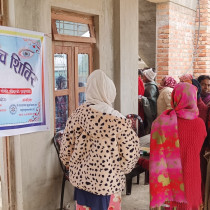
(126,55)
(38,175)
(147,32)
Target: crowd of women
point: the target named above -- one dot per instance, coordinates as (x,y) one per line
(179,142)
(99,146)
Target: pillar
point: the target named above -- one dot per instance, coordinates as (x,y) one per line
(126,55)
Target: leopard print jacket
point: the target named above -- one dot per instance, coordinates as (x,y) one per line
(99,150)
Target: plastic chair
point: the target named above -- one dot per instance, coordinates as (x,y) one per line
(57,141)
(137,124)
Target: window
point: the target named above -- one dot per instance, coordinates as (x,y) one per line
(72,27)
(73,40)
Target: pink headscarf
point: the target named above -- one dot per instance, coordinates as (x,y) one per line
(186,78)
(168,81)
(166,178)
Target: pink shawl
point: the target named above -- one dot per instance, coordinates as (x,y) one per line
(166,178)
(186,78)
(168,81)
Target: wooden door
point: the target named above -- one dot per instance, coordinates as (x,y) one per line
(72,64)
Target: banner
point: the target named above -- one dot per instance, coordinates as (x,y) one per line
(23,83)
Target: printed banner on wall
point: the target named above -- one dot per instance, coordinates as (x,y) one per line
(22,82)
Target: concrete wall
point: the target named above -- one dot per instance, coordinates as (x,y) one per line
(147,32)
(126,54)
(37,172)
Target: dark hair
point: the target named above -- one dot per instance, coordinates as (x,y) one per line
(59,80)
(140,72)
(197,84)
(202,77)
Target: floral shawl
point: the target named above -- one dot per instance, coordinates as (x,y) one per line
(186,78)
(166,178)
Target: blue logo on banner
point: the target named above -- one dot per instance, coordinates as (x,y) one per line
(13,109)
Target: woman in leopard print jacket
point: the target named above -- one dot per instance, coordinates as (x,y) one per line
(99,147)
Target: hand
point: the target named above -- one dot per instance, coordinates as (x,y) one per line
(139,96)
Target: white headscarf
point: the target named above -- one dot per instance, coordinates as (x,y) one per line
(101,92)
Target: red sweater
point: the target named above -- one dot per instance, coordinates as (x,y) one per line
(191,136)
(140,86)
(140,92)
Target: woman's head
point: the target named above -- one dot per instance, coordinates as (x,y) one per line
(61,83)
(197,84)
(140,72)
(184,100)
(168,81)
(204,81)
(186,78)
(100,88)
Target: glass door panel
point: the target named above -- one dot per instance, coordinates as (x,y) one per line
(83,69)
(63,85)
(61,112)
(82,98)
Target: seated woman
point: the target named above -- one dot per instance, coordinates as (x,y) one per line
(99,147)
(177,136)
(165,89)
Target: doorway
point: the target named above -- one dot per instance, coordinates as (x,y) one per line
(73,42)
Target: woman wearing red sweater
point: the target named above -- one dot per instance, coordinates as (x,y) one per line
(176,140)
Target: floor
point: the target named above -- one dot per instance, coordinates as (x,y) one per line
(138,200)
